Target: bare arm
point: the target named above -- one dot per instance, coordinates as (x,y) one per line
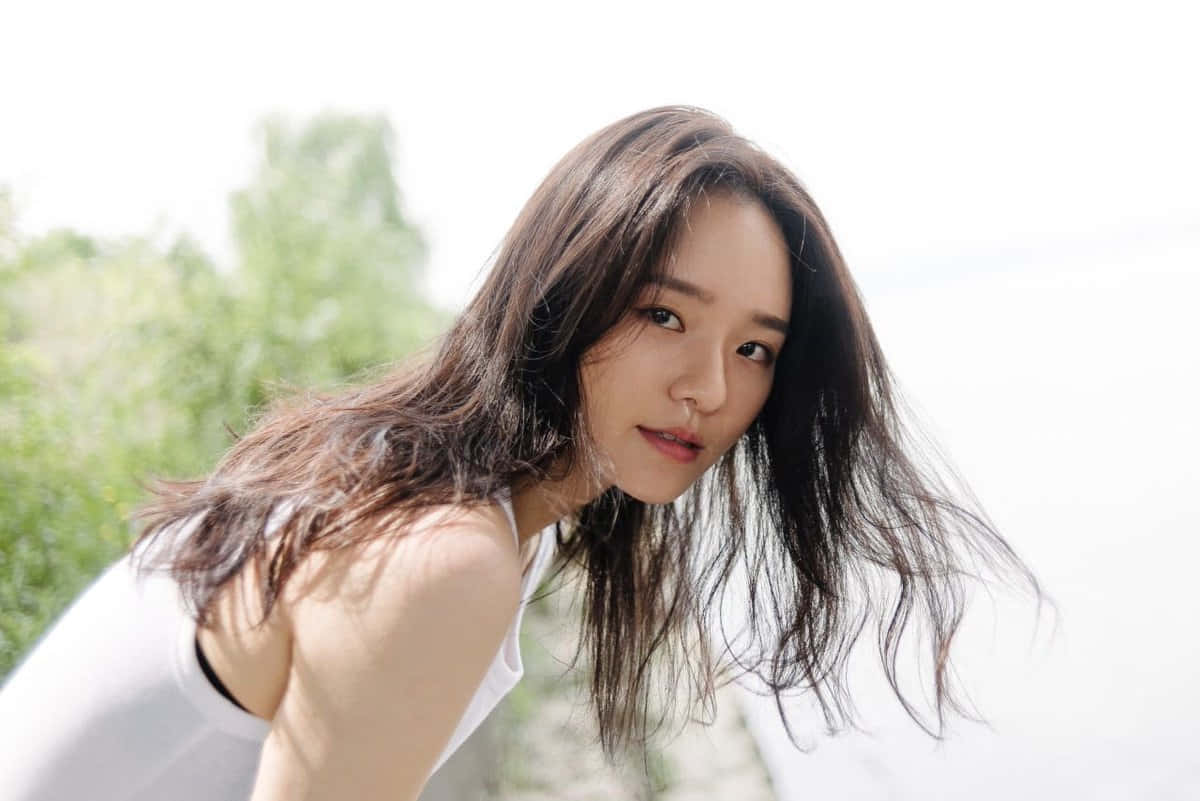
(390,642)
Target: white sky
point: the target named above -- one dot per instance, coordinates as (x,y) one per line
(1015,186)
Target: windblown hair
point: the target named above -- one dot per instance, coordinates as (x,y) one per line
(826,514)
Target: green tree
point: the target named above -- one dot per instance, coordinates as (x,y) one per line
(120,360)
(325,251)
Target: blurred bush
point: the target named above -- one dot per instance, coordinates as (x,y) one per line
(120,359)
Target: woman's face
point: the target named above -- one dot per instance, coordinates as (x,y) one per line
(675,384)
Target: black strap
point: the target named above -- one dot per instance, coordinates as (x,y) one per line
(212,676)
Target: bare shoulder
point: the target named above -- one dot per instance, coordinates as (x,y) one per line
(390,639)
(449,547)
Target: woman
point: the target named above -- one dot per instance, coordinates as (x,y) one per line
(668,374)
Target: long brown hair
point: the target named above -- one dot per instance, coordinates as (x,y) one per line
(825,495)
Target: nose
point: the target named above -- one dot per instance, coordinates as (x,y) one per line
(700,377)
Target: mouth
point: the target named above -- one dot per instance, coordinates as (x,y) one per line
(678,445)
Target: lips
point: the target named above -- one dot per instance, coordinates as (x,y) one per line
(678,444)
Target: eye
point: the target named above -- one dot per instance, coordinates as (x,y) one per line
(663,318)
(756,352)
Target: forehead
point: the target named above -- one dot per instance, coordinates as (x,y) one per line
(732,248)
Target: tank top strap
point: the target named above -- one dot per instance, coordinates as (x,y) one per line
(505,501)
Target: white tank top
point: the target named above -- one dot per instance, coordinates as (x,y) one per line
(112,703)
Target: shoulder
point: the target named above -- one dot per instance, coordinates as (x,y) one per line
(466,552)
(390,640)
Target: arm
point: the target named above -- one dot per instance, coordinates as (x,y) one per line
(390,641)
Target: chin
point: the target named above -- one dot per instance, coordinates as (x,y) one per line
(653,492)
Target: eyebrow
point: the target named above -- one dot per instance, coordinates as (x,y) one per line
(704,296)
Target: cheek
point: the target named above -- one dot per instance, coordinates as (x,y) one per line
(613,366)
(761,398)
(597,379)
(749,405)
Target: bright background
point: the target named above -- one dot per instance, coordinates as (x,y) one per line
(1014,186)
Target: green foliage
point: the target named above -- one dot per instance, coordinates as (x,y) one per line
(323,205)
(121,360)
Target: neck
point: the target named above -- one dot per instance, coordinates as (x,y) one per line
(538,505)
